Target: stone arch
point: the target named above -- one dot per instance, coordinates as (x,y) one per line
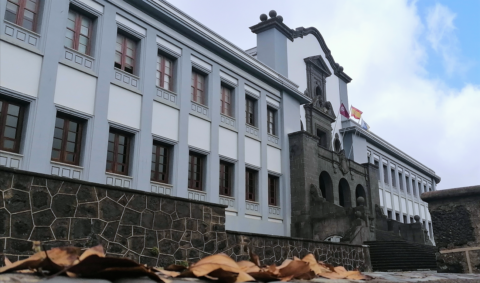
(326,186)
(344,195)
(360,192)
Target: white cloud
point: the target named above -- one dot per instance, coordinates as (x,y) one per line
(380,44)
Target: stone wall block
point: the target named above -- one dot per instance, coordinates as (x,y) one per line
(153,203)
(18,247)
(110,210)
(43,218)
(42,234)
(179,225)
(197,211)
(114,194)
(69,188)
(4,223)
(138,231)
(22,225)
(64,205)
(54,186)
(131,217)
(125,231)
(115,248)
(182,208)
(110,231)
(60,228)
(138,203)
(151,240)
(16,201)
(40,198)
(167,206)
(165,260)
(22,182)
(86,194)
(101,193)
(176,235)
(39,182)
(89,210)
(6,179)
(162,221)
(137,244)
(167,246)
(147,219)
(81,228)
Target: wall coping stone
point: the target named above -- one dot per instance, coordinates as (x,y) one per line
(292,239)
(451,193)
(105,186)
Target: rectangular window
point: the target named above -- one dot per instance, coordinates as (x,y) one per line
(79,30)
(400,180)
(389,214)
(11,120)
(160,163)
(394,182)
(250,111)
(118,152)
(397,216)
(226,101)
(272,190)
(250,184)
(419,188)
(323,138)
(385,174)
(125,53)
(67,139)
(413,187)
(404,219)
(23,13)
(198,88)
(195,172)
(271,121)
(411,220)
(226,181)
(164,72)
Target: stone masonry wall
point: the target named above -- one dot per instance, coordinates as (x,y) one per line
(128,223)
(149,228)
(275,249)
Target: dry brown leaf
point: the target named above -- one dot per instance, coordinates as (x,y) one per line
(284,263)
(97,250)
(223,276)
(314,266)
(295,268)
(255,259)
(357,275)
(332,275)
(168,272)
(264,276)
(248,266)
(210,263)
(175,267)
(7,261)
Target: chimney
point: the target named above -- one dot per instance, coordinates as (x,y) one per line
(272,35)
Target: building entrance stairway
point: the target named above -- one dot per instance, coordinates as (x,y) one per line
(401,255)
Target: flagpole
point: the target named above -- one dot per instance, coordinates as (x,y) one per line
(351,148)
(334,128)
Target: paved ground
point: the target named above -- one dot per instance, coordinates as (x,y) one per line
(380,277)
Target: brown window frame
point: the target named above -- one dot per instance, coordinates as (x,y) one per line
(194,88)
(77,28)
(123,53)
(250,111)
(199,169)
(65,131)
(21,13)
(3,124)
(273,190)
(226,101)
(114,162)
(226,180)
(271,125)
(155,174)
(250,189)
(161,72)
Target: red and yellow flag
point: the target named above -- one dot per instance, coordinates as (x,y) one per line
(355,112)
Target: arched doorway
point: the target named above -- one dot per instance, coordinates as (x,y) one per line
(360,192)
(326,186)
(344,195)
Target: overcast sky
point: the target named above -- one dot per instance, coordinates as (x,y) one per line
(415,67)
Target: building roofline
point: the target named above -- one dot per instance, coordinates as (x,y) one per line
(391,149)
(210,36)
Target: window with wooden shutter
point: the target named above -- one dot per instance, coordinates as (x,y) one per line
(160,162)
(226,183)
(271,127)
(226,101)
(198,88)
(164,72)
(125,53)
(79,30)
(118,154)
(250,184)
(250,111)
(195,172)
(67,139)
(272,190)
(23,13)
(11,121)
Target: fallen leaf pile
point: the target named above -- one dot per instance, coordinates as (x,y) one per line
(92,263)
(222,268)
(70,261)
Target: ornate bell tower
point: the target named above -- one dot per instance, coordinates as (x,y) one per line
(319,114)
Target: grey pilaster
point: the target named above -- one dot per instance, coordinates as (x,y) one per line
(263,173)
(240,166)
(214,158)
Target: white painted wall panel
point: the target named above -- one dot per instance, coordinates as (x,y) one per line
(252,152)
(75,89)
(422,211)
(388,200)
(165,121)
(274,159)
(410,207)
(124,107)
(403,202)
(227,143)
(417,209)
(381,197)
(396,202)
(198,133)
(19,69)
